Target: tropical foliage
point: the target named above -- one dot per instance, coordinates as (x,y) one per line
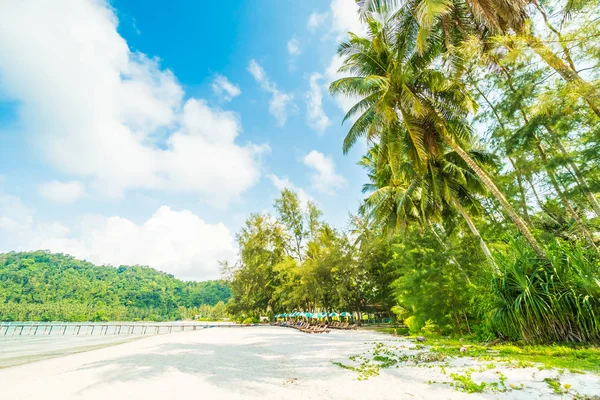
(295,261)
(481,120)
(44,286)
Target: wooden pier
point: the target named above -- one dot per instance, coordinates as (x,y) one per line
(111,328)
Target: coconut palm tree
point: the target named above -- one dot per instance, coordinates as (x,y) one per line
(446,187)
(453,20)
(410,105)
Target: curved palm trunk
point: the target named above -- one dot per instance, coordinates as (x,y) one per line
(475,233)
(508,208)
(517,173)
(565,71)
(559,36)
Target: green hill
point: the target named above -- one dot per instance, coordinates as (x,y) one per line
(41,286)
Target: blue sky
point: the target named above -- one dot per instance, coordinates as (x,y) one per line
(139,132)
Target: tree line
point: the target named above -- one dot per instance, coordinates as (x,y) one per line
(41,286)
(482,126)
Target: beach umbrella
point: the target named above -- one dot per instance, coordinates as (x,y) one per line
(307,314)
(333,314)
(345,314)
(284,315)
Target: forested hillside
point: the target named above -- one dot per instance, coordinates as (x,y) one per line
(44,286)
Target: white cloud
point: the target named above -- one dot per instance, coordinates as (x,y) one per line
(112,116)
(317,119)
(285,183)
(315,20)
(344,18)
(331,74)
(62,192)
(177,242)
(280,101)
(224,89)
(324,179)
(293,47)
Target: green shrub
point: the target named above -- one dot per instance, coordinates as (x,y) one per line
(556,300)
(413,324)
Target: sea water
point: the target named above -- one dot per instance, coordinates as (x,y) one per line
(24,342)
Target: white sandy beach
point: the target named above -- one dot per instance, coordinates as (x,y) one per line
(258,363)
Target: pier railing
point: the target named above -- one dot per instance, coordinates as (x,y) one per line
(109,328)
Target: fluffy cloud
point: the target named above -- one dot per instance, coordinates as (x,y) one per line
(224,89)
(177,242)
(110,115)
(317,119)
(315,20)
(344,18)
(324,179)
(332,74)
(62,192)
(280,101)
(293,47)
(285,183)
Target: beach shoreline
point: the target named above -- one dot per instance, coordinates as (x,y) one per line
(264,363)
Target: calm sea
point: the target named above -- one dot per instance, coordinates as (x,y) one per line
(24,342)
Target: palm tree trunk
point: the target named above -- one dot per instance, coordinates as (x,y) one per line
(475,233)
(566,72)
(508,208)
(559,36)
(517,173)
